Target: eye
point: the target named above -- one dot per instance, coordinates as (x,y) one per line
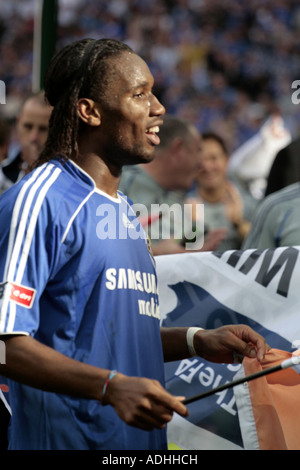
(139,95)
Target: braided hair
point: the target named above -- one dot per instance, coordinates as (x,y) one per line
(78,70)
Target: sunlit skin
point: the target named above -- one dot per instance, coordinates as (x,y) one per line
(118,132)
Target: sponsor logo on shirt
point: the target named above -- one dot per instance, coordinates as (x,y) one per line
(17,293)
(144,282)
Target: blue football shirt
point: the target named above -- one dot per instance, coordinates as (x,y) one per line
(77,275)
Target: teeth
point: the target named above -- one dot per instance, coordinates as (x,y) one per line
(153,130)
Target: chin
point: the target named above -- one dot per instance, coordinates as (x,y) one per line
(149,159)
(145,157)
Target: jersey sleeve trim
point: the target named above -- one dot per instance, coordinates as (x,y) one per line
(14,333)
(22,228)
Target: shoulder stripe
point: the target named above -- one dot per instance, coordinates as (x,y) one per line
(75,214)
(127,203)
(32,224)
(15,216)
(20,237)
(23,221)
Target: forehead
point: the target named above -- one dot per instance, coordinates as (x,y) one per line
(130,71)
(34,111)
(212,146)
(195,135)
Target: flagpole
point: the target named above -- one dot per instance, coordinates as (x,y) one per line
(293,361)
(37,44)
(44,41)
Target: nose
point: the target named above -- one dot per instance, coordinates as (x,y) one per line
(34,136)
(156,108)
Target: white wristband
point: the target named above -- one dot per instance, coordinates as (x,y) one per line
(190,339)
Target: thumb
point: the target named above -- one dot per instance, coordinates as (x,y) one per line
(250,351)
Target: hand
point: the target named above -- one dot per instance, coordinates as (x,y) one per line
(213,239)
(142,402)
(233,204)
(222,344)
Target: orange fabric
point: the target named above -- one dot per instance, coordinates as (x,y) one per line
(275,402)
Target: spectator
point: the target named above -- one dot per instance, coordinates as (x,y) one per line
(224,204)
(4,139)
(250,164)
(285,169)
(251,49)
(32,130)
(162,185)
(4,144)
(277,220)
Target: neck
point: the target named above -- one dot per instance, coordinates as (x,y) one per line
(105,175)
(212,195)
(107,179)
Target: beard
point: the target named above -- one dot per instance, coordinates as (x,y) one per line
(117,154)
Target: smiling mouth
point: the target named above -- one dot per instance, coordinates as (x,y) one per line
(152,135)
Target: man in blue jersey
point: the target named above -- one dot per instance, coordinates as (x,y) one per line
(79,306)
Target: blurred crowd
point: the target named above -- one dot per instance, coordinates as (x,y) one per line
(224,64)
(224,67)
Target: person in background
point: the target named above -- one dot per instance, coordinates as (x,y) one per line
(163,184)
(277,220)
(285,169)
(225,204)
(4,146)
(32,126)
(250,163)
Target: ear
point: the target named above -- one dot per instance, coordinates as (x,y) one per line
(88,112)
(176,151)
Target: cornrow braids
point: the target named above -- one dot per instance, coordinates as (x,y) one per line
(78,70)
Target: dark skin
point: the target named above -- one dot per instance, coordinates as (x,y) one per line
(116,128)
(124,118)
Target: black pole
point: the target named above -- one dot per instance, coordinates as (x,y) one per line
(45,36)
(247,378)
(48,35)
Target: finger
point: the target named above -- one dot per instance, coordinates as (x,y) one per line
(161,397)
(148,421)
(153,415)
(252,345)
(259,342)
(174,404)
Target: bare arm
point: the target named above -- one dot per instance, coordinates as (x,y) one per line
(217,345)
(140,402)
(32,363)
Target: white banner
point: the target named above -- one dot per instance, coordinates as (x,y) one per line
(259,288)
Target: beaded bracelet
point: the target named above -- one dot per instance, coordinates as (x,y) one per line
(110,376)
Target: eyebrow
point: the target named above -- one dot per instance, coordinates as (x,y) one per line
(143,84)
